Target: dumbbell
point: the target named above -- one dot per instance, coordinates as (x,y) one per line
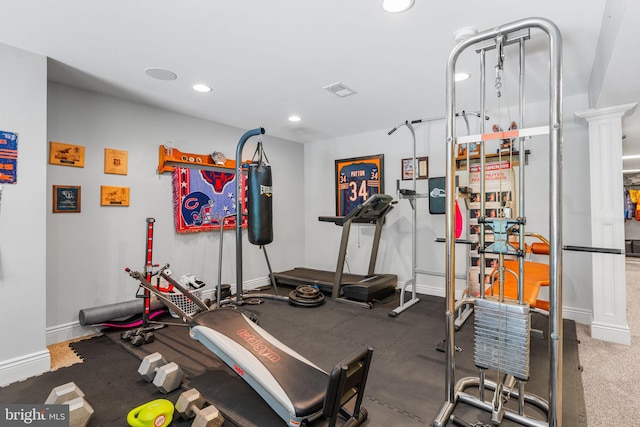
(80,410)
(140,336)
(166,376)
(191,404)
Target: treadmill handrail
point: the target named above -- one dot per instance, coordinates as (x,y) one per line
(372,210)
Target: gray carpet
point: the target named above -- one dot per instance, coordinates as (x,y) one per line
(612,371)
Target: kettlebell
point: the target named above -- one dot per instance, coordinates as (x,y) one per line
(157,413)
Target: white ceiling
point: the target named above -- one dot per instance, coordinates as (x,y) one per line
(267,60)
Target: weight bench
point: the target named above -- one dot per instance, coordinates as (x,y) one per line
(295,388)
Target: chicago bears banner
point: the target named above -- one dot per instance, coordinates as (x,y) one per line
(202,200)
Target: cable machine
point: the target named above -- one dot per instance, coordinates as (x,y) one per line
(502,327)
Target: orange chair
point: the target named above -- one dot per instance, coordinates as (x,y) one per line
(536,275)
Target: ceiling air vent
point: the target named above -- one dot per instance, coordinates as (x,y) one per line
(340,90)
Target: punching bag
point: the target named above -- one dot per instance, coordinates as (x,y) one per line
(259,199)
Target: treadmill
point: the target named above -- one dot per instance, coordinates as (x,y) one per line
(350,288)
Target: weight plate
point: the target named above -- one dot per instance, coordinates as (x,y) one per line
(297,300)
(307,291)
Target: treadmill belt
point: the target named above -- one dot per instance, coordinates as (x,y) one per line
(354,286)
(309,276)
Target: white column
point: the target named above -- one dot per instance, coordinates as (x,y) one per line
(607,222)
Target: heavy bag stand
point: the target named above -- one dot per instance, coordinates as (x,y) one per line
(260,223)
(239,284)
(492,314)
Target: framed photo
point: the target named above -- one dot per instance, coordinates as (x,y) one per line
(357,179)
(422,168)
(66,154)
(66,198)
(115,161)
(114,196)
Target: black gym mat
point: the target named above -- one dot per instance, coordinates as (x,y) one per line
(406,380)
(107,377)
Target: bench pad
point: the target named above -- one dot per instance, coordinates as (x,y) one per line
(286,380)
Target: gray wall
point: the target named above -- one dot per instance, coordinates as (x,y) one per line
(23,84)
(395,248)
(89,250)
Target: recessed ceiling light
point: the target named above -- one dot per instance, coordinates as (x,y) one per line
(464,33)
(160,73)
(294,118)
(201,88)
(461,76)
(396,6)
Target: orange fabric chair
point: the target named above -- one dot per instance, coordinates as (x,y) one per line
(536,275)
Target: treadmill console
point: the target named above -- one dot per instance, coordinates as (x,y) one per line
(371,211)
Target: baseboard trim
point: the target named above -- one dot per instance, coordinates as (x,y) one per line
(611,333)
(578,315)
(69,331)
(23,367)
(73,330)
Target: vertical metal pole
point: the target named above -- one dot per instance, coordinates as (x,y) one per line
(240,207)
(481,242)
(450,261)
(483,108)
(521,230)
(555,227)
(414,205)
(148,270)
(220,245)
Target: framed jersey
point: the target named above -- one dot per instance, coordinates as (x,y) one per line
(357,179)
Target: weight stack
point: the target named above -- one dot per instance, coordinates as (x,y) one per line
(502,331)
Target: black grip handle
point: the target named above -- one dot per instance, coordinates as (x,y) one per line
(464,241)
(592,249)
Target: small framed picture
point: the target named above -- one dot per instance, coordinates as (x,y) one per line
(115,161)
(66,198)
(422,168)
(66,154)
(114,196)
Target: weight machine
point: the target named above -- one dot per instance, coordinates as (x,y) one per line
(502,327)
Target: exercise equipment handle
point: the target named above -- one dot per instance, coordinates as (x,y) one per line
(463,241)
(157,413)
(592,249)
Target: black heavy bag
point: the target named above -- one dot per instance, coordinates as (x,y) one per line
(259,199)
